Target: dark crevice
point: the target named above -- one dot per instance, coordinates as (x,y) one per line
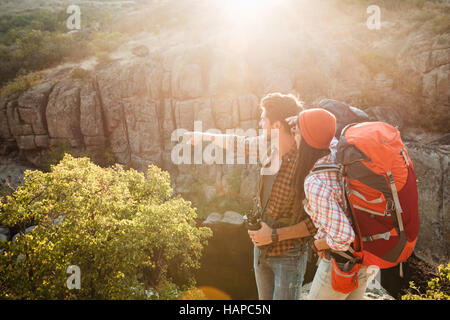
(125,125)
(99,100)
(78,134)
(44,109)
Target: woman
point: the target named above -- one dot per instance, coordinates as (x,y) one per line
(324,203)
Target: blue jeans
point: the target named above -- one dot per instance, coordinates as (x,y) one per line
(280,277)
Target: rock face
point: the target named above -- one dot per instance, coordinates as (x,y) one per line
(431,165)
(430,57)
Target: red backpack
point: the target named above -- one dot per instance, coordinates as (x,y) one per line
(381,192)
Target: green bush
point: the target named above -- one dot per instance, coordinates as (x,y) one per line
(441,24)
(438,288)
(128,235)
(20,84)
(107,42)
(38,40)
(82,74)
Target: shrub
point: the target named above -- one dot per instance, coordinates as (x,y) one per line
(82,74)
(440,24)
(20,84)
(103,57)
(107,42)
(438,288)
(56,152)
(128,235)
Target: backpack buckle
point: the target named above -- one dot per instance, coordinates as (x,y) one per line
(390,207)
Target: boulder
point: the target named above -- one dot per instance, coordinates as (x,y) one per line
(4,233)
(91,120)
(233,218)
(26,142)
(32,104)
(110,85)
(63,112)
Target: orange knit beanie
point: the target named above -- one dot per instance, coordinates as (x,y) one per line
(318,127)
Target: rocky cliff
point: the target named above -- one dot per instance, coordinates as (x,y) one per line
(128,108)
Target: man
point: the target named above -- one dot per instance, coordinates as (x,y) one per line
(280,252)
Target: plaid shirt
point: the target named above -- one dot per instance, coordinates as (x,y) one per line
(280,206)
(325,200)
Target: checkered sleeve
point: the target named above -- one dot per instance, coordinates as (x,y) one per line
(321,192)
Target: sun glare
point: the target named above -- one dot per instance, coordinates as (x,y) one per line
(248,9)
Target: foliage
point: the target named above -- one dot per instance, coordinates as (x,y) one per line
(438,288)
(103,57)
(82,74)
(128,235)
(20,84)
(38,40)
(13,26)
(37,50)
(441,24)
(226,196)
(104,41)
(56,153)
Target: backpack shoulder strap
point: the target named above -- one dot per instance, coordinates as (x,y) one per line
(325,167)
